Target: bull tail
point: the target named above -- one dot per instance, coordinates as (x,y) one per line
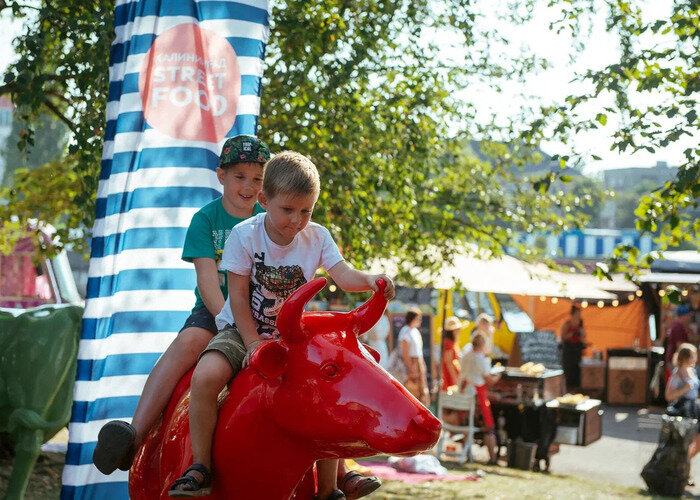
(25,418)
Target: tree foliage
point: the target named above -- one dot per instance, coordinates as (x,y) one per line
(651,91)
(49,141)
(365,89)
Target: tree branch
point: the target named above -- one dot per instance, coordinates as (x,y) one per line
(60,115)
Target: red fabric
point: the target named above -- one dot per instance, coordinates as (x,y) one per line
(447,379)
(484,405)
(677,334)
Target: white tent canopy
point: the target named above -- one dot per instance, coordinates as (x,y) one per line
(512,276)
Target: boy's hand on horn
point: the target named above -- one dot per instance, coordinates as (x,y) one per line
(389,291)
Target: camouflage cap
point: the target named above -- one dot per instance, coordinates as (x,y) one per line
(244,148)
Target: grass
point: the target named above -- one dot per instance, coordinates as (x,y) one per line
(504,483)
(498,483)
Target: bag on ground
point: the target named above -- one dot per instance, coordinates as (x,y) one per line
(668,470)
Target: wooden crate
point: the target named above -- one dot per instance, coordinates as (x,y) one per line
(593,375)
(627,386)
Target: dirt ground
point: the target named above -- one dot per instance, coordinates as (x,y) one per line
(45,482)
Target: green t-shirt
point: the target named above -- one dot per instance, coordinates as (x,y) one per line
(206,237)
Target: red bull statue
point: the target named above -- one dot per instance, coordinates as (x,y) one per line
(316,393)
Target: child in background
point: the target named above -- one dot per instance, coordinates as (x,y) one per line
(476,371)
(240,172)
(682,390)
(267,257)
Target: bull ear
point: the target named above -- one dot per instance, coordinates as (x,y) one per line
(373,352)
(289,317)
(366,316)
(269,360)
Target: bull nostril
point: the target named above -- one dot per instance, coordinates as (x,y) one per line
(427,422)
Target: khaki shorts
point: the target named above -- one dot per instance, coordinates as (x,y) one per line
(229,343)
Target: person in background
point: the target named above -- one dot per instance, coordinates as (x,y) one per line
(379,337)
(573,339)
(476,372)
(450,352)
(682,390)
(678,333)
(484,326)
(411,352)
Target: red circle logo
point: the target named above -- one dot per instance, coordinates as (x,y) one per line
(190,84)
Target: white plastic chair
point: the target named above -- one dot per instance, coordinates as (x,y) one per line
(459,402)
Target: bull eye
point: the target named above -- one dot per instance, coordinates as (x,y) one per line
(329,370)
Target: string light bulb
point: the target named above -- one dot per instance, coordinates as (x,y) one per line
(332,288)
(638,293)
(542,298)
(601,304)
(615,303)
(554,300)
(584,304)
(684,293)
(662,292)
(630,297)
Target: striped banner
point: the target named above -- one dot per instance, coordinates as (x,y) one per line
(184,75)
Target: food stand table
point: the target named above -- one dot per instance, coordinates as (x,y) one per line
(579,424)
(518,402)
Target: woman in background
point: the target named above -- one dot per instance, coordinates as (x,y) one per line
(410,351)
(450,352)
(484,326)
(380,339)
(572,337)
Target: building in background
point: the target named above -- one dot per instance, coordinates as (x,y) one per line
(588,244)
(625,179)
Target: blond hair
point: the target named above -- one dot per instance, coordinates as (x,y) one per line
(683,354)
(293,173)
(484,317)
(478,340)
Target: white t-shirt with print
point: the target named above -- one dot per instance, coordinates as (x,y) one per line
(415,341)
(275,271)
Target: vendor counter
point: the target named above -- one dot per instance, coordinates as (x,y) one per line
(516,386)
(526,410)
(624,378)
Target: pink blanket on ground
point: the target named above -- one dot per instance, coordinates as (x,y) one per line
(384,470)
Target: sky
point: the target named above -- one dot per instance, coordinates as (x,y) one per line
(551,85)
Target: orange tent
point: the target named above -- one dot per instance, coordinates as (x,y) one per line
(606,327)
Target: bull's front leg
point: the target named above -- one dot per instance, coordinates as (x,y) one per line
(27,448)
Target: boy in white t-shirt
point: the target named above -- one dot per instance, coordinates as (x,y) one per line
(476,371)
(267,257)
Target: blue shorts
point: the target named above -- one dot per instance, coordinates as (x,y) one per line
(201,318)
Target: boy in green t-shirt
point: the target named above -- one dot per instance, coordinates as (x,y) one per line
(240,172)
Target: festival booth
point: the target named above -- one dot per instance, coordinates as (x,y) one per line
(529,302)
(680,272)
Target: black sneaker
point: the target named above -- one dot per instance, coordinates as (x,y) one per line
(115,447)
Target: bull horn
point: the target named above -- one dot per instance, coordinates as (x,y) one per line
(289,317)
(367,315)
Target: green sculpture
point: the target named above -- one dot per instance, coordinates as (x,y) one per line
(38,359)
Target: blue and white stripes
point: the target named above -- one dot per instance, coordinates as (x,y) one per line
(151,183)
